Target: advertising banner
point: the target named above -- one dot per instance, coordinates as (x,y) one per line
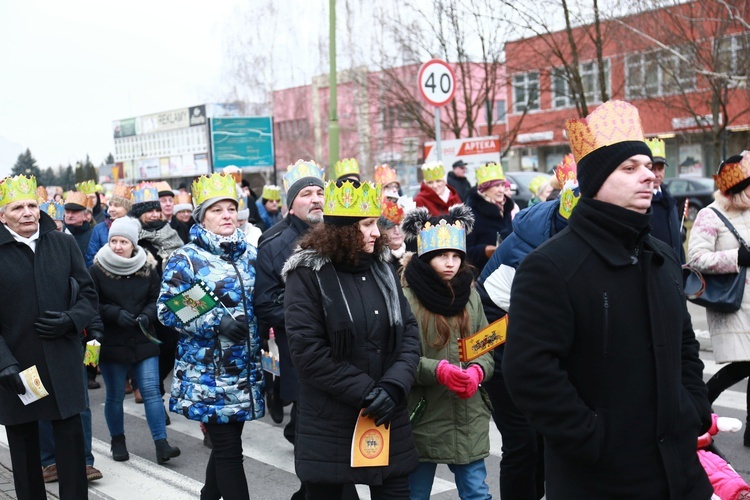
(242,141)
(474,151)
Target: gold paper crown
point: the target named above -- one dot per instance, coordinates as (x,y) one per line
(434,171)
(566,170)
(490,172)
(216,185)
(183,199)
(241,204)
(299,170)
(392,211)
(77,198)
(347,166)
(163,186)
(441,236)
(350,201)
(17,188)
(657,147)
(385,175)
(86,187)
(41,194)
(122,190)
(271,192)
(732,174)
(610,123)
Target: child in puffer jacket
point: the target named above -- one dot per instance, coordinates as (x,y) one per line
(728,485)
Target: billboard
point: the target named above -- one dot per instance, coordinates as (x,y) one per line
(242,141)
(474,151)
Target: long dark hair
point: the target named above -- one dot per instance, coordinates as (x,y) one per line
(339,243)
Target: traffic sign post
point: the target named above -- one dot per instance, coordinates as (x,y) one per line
(437,84)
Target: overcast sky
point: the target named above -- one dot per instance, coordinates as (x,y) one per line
(71,67)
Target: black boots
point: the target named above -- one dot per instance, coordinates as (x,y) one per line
(119,450)
(164,451)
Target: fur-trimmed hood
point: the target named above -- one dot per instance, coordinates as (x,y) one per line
(315,261)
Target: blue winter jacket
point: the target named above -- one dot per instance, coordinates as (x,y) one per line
(99,238)
(215,380)
(268,219)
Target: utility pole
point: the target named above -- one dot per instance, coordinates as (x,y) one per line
(333,120)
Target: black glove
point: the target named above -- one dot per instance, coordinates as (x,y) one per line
(125,319)
(233,329)
(94,334)
(143,321)
(743,256)
(53,325)
(11,381)
(380,406)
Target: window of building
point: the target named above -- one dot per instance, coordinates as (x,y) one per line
(732,53)
(526,91)
(660,72)
(499,111)
(589,71)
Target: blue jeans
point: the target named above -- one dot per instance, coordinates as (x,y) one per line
(47,438)
(470,480)
(147,373)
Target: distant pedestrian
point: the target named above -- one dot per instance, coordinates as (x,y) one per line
(458,181)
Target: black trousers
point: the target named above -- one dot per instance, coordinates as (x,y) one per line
(522,464)
(167,350)
(393,488)
(225,474)
(726,377)
(70,457)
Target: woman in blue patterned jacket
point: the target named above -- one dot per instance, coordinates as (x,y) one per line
(217,373)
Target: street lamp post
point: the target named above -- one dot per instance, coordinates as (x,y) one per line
(333,121)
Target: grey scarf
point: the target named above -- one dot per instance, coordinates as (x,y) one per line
(121,266)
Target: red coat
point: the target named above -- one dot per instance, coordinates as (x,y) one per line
(428,198)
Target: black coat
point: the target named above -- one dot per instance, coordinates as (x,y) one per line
(137,294)
(268,296)
(332,392)
(602,358)
(54,278)
(460,184)
(665,223)
(488,223)
(82,235)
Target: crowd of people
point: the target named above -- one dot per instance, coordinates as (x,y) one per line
(386,310)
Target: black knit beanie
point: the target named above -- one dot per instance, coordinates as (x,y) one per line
(139,209)
(595,167)
(299,185)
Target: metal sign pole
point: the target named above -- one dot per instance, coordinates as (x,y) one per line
(438,148)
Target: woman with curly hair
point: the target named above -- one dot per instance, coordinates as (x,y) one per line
(354,342)
(450,417)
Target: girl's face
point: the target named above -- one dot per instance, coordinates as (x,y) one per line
(116,210)
(370,233)
(446,264)
(395,237)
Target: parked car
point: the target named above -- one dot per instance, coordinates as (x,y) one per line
(699,190)
(519,184)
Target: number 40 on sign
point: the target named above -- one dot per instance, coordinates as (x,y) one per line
(437,82)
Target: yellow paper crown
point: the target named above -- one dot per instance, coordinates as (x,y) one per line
(17,188)
(441,236)
(347,166)
(241,204)
(610,123)
(657,147)
(490,172)
(271,192)
(349,200)
(536,183)
(299,170)
(216,185)
(86,187)
(434,171)
(732,174)
(385,175)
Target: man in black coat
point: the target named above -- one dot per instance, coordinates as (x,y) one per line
(665,217)
(457,179)
(47,299)
(601,355)
(76,221)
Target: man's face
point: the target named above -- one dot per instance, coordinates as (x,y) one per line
(308,205)
(75,217)
(459,171)
(630,186)
(658,171)
(272,206)
(167,205)
(22,217)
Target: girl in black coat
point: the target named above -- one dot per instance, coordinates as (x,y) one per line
(354,341)
(128,286)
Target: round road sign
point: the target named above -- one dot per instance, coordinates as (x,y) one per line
(437,83)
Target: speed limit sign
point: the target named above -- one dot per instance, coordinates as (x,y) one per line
(437,83)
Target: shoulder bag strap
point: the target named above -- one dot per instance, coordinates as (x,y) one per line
(731,228)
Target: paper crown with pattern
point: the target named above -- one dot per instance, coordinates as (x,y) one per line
(392,211)
(77,198)
(144,192)
(489,172)
(610,123)
(658,148)
(433,171)
(54,210)
(183,201)
(347,166)
(17,188)
(732,174)
(41,194)
(299,170)
(216,185)
(566,170)
(350,200)
(163,187)
(537,182)
(241,204)
(86,187)
(271,192)
(441,236)
(385,175)
(122,190)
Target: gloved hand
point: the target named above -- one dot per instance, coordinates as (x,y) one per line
(11,380)
(125,319)
(234,329)
(743,256)
(53,325)
(451,376)
(380,406)
(94,334)
(476,375)
(143,321)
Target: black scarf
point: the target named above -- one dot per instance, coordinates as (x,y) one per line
(436,295)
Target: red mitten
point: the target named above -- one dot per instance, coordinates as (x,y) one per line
(451,376)
(476,375)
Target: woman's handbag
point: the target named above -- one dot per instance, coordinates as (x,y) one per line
(718,292)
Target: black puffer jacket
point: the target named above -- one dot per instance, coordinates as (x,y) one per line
(137,294)
(332,392)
